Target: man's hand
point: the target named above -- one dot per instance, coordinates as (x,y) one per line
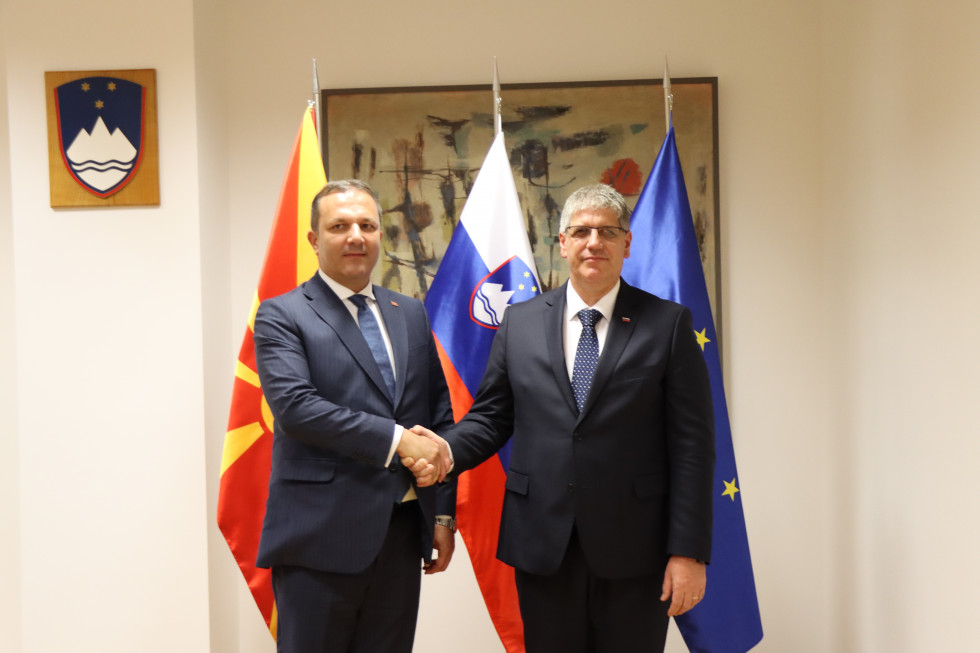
(446,457)
(421,455)
(684,584)
(444,542)
(424,467)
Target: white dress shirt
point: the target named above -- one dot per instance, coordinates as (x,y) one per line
(573,326)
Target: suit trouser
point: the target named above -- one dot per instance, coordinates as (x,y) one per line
(575,611)
(367,612)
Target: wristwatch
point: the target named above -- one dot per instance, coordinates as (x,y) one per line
(448,522)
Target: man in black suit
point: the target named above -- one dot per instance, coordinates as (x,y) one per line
(347,368)
(603,387)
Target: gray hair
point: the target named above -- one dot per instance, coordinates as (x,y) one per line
(596,196)
(340,186)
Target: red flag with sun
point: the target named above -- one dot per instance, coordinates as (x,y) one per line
(247,458)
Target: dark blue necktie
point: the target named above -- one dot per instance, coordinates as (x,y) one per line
(586,356)
(372,334)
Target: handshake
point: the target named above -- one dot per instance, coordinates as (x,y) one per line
(425,454)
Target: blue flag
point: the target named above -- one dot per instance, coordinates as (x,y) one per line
(664,260)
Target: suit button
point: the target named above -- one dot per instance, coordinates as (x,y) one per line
(571,487)
(577,436)
(393,468)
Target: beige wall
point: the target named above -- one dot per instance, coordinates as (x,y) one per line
(112,518)
(901,224)
(848,144)
(10,612)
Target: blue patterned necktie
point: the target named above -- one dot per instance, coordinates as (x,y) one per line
(372,334)
(586,356)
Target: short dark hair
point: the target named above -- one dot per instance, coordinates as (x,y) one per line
(340,186)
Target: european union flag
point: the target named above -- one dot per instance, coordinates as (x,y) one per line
(664,260)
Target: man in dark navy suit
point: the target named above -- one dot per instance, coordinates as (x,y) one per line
(348,368)
(605,392)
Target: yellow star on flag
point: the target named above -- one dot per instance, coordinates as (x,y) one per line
(99,104)
(702,339)
(112,86)
(730,489)
(520,287)
(526,274)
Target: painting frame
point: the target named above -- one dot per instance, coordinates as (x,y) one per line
(420,147)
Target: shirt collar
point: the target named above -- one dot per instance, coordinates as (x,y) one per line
(605,305)
(343,291)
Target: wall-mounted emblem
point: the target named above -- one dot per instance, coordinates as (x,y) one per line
(102,138)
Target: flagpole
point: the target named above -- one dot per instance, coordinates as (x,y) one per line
(668,98)
(496,100)
(316,99)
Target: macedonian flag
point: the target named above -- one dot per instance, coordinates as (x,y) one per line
(289,261)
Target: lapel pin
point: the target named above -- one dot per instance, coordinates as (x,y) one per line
(394,303)
(625,319)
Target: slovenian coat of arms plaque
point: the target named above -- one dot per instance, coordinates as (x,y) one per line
(102,138)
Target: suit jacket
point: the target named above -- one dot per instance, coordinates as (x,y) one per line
(633,472)
(330,495)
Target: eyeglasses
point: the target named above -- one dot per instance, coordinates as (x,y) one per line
(581,232)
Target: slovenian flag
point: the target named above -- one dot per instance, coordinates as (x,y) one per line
(488,266)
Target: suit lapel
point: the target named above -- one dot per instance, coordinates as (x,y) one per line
(554,332)
(331,309)
(397,328)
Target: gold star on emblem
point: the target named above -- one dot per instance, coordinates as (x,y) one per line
(730,489)
(85,86)
(702,339)
(112,86)
(99,104)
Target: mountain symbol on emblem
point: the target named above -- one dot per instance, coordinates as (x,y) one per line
(101,130)
(101,159)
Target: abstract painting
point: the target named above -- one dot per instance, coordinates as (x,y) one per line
(421,148)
